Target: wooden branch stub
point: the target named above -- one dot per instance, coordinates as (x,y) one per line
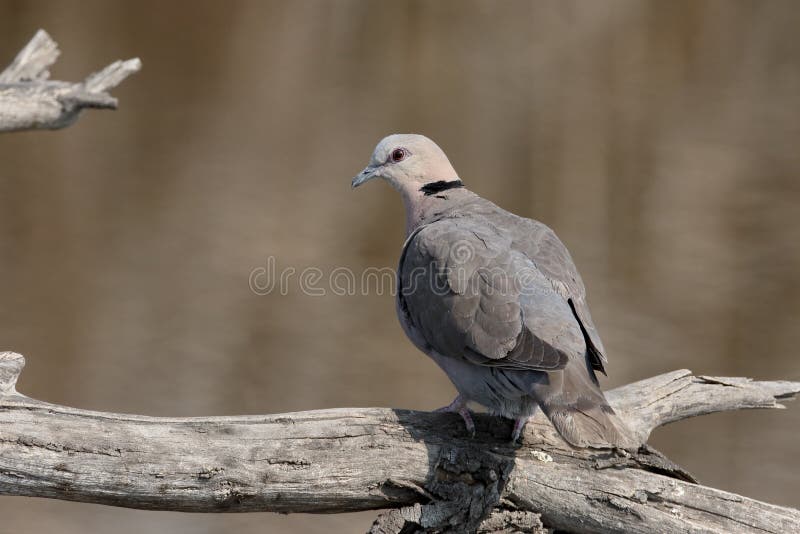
(11,365)
(28,100)
(32,62)
(679,395)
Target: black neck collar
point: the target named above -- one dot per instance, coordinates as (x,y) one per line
(437,187)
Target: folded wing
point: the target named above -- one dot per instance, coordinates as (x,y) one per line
(472,296)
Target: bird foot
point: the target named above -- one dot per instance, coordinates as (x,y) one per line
(519,424)
(459,406)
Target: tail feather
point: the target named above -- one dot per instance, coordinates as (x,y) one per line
(576,406)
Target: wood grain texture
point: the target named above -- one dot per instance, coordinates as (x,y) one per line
(419,464)
(28,100)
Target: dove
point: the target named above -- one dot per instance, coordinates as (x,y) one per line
(495,300)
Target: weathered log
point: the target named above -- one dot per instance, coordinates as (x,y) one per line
(422,465)
(28,100)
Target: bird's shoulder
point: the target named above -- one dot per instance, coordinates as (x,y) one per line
(478,218)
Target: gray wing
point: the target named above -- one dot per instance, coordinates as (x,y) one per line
(539,243)
(471,295)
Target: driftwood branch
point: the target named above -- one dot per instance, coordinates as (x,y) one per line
(420,465)
(28,100)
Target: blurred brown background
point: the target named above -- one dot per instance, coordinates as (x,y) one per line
(659,139)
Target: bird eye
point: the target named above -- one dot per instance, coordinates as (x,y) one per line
(398,154)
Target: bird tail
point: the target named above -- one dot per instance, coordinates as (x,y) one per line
(576,406)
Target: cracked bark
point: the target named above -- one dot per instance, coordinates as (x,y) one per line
(421,466)
(28,100)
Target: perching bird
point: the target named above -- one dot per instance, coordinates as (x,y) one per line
(495,300)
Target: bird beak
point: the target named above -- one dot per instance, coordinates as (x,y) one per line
(364,176)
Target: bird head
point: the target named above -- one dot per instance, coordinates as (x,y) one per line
(409,162)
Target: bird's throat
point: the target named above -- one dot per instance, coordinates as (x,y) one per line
(423,205)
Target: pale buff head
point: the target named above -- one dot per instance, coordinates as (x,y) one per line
(408,162)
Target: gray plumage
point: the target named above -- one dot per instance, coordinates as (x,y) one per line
(495,300)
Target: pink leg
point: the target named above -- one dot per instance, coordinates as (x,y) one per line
(459,406)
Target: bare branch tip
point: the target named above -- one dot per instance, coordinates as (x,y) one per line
(112,75)
(32,62)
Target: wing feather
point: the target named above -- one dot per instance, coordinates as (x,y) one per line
(539,243)
(472,296)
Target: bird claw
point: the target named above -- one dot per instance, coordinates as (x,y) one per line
(519,424)
(459,406)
